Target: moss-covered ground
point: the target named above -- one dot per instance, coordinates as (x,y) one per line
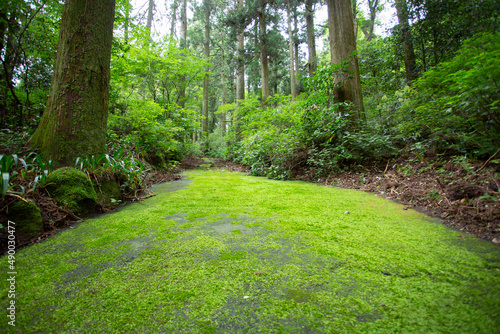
(222,252)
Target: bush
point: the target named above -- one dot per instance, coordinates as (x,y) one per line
(456,104)
(145,127)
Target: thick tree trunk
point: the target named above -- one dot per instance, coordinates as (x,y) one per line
(264,64)
(406,37)
(312,62)
(75,119)
(206,44)
(343,47)
(292,56)
(354,17)
(183,45)
(240,47)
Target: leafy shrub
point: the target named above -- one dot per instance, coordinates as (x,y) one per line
(149,130)
(456,104)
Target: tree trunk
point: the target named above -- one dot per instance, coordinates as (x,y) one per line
(127,19)
(223,81)
(312,62)
(183,45)
(240,81)
(296,45)
(206,44)
(75,119)
(175,5)
(149,22)
(354,17)
(264,64)
(406,37)
(343,47)
(372,5)
(292,62)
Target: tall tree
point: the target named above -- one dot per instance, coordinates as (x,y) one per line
(373,5)
(206,44)
(264,59)
(127,19)
(183,45)
(240,49)
(223,82)
(312,61)
(343,47)
(292,51)
(75,119)
(406,37)
(149,21)
(175,5)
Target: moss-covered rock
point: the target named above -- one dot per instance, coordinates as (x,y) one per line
(27,217)
(72,189)
(108,191)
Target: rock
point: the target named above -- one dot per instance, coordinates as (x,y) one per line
(73,190)
(27,218)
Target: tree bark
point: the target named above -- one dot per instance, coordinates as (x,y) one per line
(296,44)
(312,62)
(264,64)
(183,45)
(406,37)
(127,19)
(343,47)
(149,21)
(240,47)
(206,44)
(372,5)
(75,119)
(354,17)
(175,5)
(223,81)
(292,56)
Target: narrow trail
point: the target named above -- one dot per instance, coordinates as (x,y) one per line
(222,252)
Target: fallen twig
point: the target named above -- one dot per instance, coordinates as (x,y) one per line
(484,165)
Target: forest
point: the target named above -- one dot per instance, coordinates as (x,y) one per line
(399,97)
(250,166)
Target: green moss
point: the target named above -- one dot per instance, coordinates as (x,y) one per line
(27,217)
(108,191)
(72,188)
(299,265)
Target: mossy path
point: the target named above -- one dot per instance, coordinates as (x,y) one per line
(221,252)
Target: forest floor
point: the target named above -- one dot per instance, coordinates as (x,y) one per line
(223,252)
(461,198)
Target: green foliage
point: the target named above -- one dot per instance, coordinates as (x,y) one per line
(216,144)
(130,171)
(312,132)
(152,131)
(8,166)
(270,136)
(456,104)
